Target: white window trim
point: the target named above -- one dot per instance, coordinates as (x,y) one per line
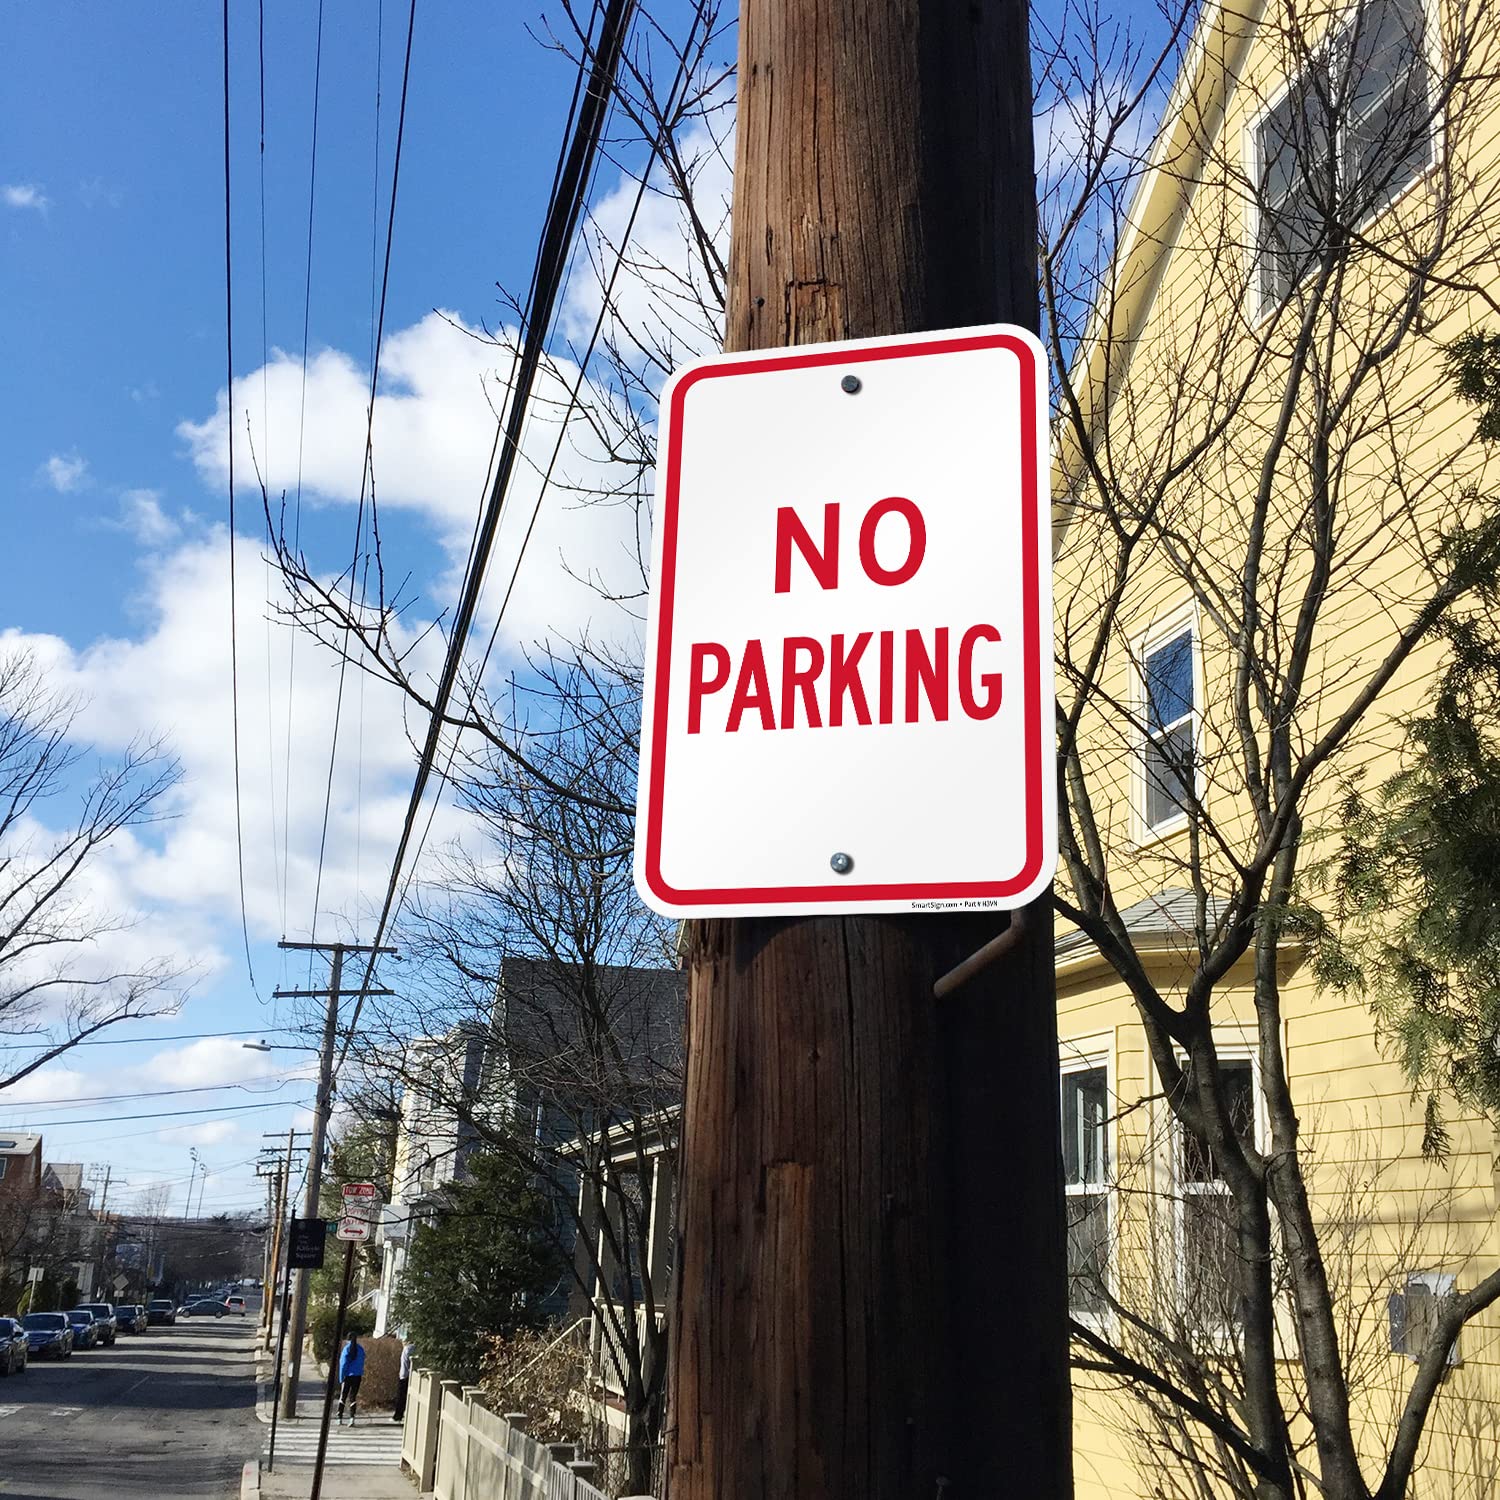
(1082,1054)
(1257,314)
(1158,633)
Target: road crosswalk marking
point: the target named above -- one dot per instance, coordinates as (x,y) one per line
(360,1444)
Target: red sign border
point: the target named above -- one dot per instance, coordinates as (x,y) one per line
(1031,521)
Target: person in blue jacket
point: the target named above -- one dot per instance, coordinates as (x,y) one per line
(351,1372)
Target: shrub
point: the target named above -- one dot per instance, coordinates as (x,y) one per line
(323,1322)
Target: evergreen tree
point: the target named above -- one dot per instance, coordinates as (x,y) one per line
(480,1268)
(1418,875)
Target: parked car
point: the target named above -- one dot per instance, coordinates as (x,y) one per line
(13,1347)
(236,1304)
(205,1308)
(48,1333)
(104,1320)
(130,1317)
(161,1310)
(85,1330)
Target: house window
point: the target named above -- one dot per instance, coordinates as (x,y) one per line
(1085,1112)
(1414,1310)
(1167,752)
(1208,1227)
(1350,132)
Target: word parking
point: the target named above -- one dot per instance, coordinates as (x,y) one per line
(851,678)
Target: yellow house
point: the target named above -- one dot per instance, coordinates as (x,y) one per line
(1258,448)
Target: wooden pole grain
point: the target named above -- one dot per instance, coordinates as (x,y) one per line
(870,1292)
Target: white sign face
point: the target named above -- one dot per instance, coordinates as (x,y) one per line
(360,1200)
(849,702)
(353,1227)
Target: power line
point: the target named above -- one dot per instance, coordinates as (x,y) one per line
(583,363)
(170,1114)
(557,236)
(291,665)
(207,1088)
(234,666)
(188,1036)
(366,478)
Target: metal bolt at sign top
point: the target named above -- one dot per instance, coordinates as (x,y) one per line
(841,863)
(850,385)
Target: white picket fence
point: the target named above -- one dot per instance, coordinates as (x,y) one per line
(456,1447)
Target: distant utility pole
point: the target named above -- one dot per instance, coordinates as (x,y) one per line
(322,1108)
(94,1176)
(871,1290)
(281,1160)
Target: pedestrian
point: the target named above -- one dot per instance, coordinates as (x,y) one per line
(403,1380)
(351,1372)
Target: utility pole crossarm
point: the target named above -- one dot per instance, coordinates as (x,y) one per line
(322,994)
(329,948)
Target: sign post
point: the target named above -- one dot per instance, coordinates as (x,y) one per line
(305,1242)
(361,1206)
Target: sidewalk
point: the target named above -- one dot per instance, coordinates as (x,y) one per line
(363,1462)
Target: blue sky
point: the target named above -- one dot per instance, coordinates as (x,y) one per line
(112,441)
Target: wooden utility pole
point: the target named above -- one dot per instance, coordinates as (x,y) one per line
(322,1109)
(871,1269)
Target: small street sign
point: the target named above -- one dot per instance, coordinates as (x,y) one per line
(849,700)
(361,1208)
(305,1244)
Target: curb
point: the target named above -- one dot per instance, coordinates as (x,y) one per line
(250,1480)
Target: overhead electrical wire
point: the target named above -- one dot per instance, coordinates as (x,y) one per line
(243,1085)
(291,664)
(131,1041)
(265,458)
(367,462)
(552,257)
(234,668)
(171,1114)
(572,404)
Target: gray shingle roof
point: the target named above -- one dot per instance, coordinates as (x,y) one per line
(1168,913)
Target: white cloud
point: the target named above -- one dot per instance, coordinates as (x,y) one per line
(662,294)
(24,195)
(180,879)
(142,516)
(442,383)
(65,472)
(93,191)
(58,1082)
(205,1133)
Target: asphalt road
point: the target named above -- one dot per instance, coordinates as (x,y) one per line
(168,1413)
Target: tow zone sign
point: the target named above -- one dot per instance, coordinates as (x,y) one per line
(849,700)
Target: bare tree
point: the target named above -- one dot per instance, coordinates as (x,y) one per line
(1249,432)
(55,989)
(551,1016)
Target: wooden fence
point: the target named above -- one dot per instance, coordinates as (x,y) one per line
(454,1446)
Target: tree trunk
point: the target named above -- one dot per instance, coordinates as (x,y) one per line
(870,1297)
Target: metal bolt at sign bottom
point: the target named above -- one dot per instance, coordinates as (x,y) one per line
(841,863)
(850,385)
